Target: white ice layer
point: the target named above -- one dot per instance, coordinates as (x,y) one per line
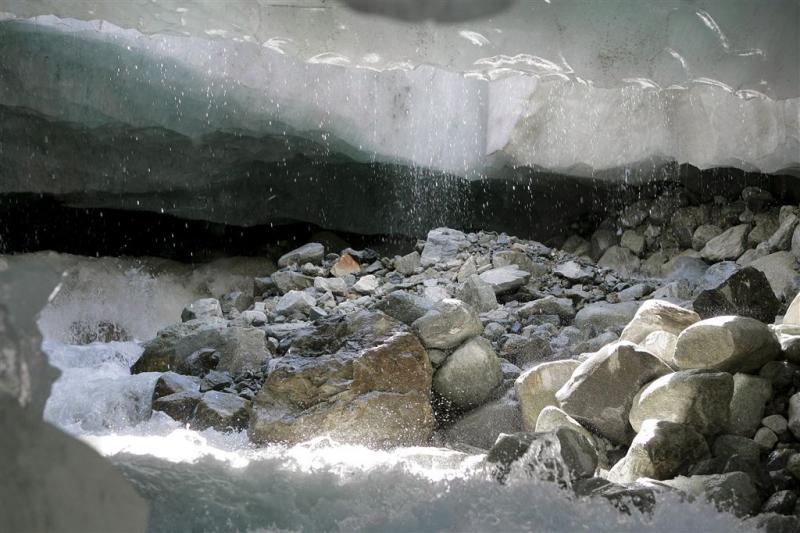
(574,87)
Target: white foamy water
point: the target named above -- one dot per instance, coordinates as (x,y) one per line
(209,481)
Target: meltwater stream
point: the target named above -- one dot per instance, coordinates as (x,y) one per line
(206,480)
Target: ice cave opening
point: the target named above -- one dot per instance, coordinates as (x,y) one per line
(400,265)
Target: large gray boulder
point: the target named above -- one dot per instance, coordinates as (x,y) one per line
(601,390)
(222,411)
(781,271)
(295,303)
(364,378)
(478,294)
(658,315)
(600,316)
(449,323)
(536,388)
(621,260)
(728,343)
(202,308)
(312,252)
(744,292)
(698,399)
(442,245)
(505,279)
(660,450)
(470,375)
(728,245)
(750,397)
(404,306)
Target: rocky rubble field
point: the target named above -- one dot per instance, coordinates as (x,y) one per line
(659,354)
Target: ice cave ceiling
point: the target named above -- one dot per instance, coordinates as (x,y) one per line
(156,104)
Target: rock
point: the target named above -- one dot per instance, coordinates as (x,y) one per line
(404,306)
(335,286)
(346,264)
(481,427)
(793,416)
(252,318)
(795,244)
(601,390)
(750,396)
(449,323)
(633,241)
(549,305)
(287,280)
(698,399)
(621,260)
(762,231)
(793,465)
(717,274)
(684,268)
(661,344)
(179,406)
(726,446)
(684,223)
(574,271)
(200,362)
(523,350)
(505,279)
(221,411)
(746,292)
(777,423)
(478,294)
(470,375)
(516,258)
(363,378)
(407,264)
(240,348)
(703,234)
(366,285)
(601,241)
(792,315)
(600,316)
(552,418)
(781,240)
(236,300)
(215,381)
(536,388)
(563,456)
(782,502)
(660,450)
(657,315)
(781,374)
(756,198)
(203,308)
(734,491)
(635,292)
(751,255)
(576,245)
(634,214)
(766,438)
(312,252)
(781,271)
(790,345)
(263,286)
(728,343)
(729,245)
(295,303)
(442,245)
(171,383)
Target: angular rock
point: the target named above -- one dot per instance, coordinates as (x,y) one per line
(519,259)
(728,343)
(364,378)
(505,279)
(449,323)
(621,260)
(750,396)
(179,406)
(601,241)
(470,375)
(346,264)
(782,238)
(335,286)
(633,241)
(481,427)
(574,271)
(727,446)
(536,388)
(478,294)
(660,450)
(221,411)
(215,381)
(698,399)
(171,383)
(658,315)
(600,316)
(523,350)
(366,284)
(745,292)
(552,418)
(203,308)
(442,245)
(237,300)
(408,263)
(703,234)
(200,362)
(312,252)
(734,491)
(729,245)
(295,303)
(781,271)
(601,390)
(792,315)
(661,344)
(549,305)
(793,415)
(404,306)
(287,280)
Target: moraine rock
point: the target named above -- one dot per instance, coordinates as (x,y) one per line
(404,306)
(782,238)
(574,271)
(335,286)
(793,416)
(201,309)
(727,446)
(781,271)
(235,301)
(633,241)
(295,303)
(661,450)
(699,399)
(366,285)
(449,323)
(728,343)
(345,265)
(221,411)
(602,388)
(729,245)
(658,315)
(362,378)
(478,294)
(621,260)
(408,263)
(469,375)
(734,491)
(523,350)
(505,279)
(442,245)
(750,396)
(171,383)
(600,316)
(549,305)
(481,427)
(287,280)
(576,245)
(536,388)
(745,292)
(179,406)
(661,344)
(792,316)
(601,241)
(312,252)
(516,258)
(703,234)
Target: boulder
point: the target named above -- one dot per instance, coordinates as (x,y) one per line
(793,415)
(366,284)
(601,241)
(552,418)
(295,303)
(750,397)
(335,286)
(621,260)
(600,316)
(171,383)
(698,399)
(601,390)
(478,294)
(633,241)
(312,252)
(782,238)
(536,388)
(523,350)
(470,375)
(404,306)
(781,271)
(657,315)
(728,343)
(288,280)
(792,316)
(449,323)
(574,271)
(746,292)
(408,263)
(236,300)
(790,345)
(519,259)
(202,308)
(549,305)
(221,411)
(734,491)
(661,344)
(703,234)
(199,363)
(505,279)
(727,446)
(660,450)
(728,245)
(481,427)
(442,245)
(179,406)
(363,378)
(345,265)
